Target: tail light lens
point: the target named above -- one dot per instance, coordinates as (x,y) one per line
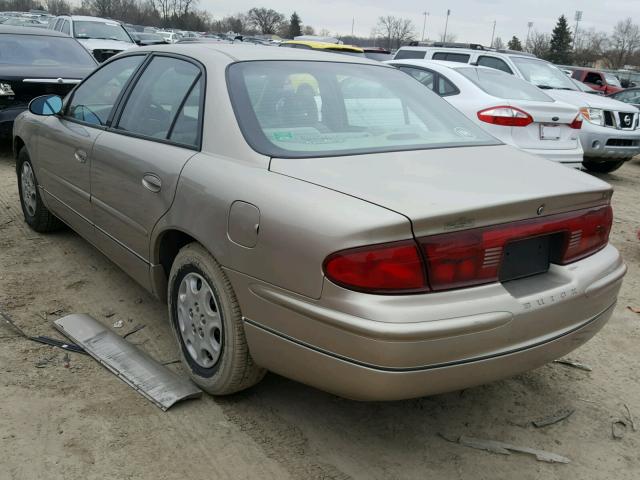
(465,258)
(385,268)
(505,116)
(577,122)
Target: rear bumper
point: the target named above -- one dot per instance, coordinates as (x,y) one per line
(609,143)
(362,382)
(390,347)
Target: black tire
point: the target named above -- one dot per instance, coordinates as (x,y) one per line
(602,167)
(37,216)
(234,369)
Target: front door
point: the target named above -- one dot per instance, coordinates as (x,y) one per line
(136,164)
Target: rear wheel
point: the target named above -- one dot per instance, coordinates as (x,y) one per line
(37,216)
(602,167)
(207,324)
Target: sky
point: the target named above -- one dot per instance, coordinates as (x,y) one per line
(471,20)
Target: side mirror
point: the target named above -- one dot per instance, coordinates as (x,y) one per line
(46,105)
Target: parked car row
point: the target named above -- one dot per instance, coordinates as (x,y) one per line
(437,257)
(610,134)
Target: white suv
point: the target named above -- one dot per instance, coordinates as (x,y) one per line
(102,37)
(609,136)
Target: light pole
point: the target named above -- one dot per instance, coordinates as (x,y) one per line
(493,32)
(424,24)
(577,18)
(446,25)
(353,22)
(529,25)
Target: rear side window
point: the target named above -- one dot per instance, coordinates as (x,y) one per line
(65,28)
(501,85)
(158,99)
(409,54)
(94,99)
(493,62)
(433,81)
(451,57)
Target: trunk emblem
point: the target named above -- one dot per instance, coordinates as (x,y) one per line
(555,119)
(60,80)
(540,209)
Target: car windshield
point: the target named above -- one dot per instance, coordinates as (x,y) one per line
(101,30)
(503,85)
(43,51)
(298,109)
(543,74)
(612,80)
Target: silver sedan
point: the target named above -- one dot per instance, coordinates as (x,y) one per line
(323,217)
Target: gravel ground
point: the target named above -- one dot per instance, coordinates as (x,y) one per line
(75,420)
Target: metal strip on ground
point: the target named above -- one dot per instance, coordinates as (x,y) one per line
(150,378)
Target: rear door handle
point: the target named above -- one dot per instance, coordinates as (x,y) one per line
(152,182)
(80,156)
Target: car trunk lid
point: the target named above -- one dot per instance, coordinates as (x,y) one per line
(449,189)
(550,129)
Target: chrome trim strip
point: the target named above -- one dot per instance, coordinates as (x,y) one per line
(60,81)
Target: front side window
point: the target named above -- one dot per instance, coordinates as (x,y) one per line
(302,109)
(593,78)
(100,30)
(94,99)
(502,85)
(157,96)
(494,62)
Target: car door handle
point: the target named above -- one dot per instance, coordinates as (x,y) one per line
(152,182)
(80,156)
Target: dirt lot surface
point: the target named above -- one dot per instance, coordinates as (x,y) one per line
(78,421)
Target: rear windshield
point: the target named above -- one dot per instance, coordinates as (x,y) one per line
(299,109)
(43,51)
(409,54)
(503,85)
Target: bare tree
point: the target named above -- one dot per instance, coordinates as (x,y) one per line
(498,44)
(394,30)
(58,7)
(266,20)
(385,29)
(538,44)
(450,38)
(625,40)
(589,47)
(403,31)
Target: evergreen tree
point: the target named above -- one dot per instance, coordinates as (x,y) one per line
(295,26)
(560,47)
(514,44)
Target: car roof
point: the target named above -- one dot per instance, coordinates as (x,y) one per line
(239,53)
(43,32)
(484,51)
(324,45)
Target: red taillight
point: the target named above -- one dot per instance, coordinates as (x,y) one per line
(505,116)
(465,258)
(385,268)
(474,257)
(577,122)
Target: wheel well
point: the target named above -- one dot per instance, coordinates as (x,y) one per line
(170,244)
(17,145)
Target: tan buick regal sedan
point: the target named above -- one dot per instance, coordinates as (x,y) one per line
(322,217)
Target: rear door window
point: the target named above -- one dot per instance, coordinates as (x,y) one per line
(159,97)
(494,62)
(451,57)
(409,54)
(94,99)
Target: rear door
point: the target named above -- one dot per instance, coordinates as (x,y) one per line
(136,164)
(65,147)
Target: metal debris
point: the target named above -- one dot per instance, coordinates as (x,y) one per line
(133,366)
(552,419)
(72,347)
(503,448)
(574,363)
(118,324)
(634,309)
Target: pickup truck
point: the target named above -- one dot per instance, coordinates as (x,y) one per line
(601,81)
